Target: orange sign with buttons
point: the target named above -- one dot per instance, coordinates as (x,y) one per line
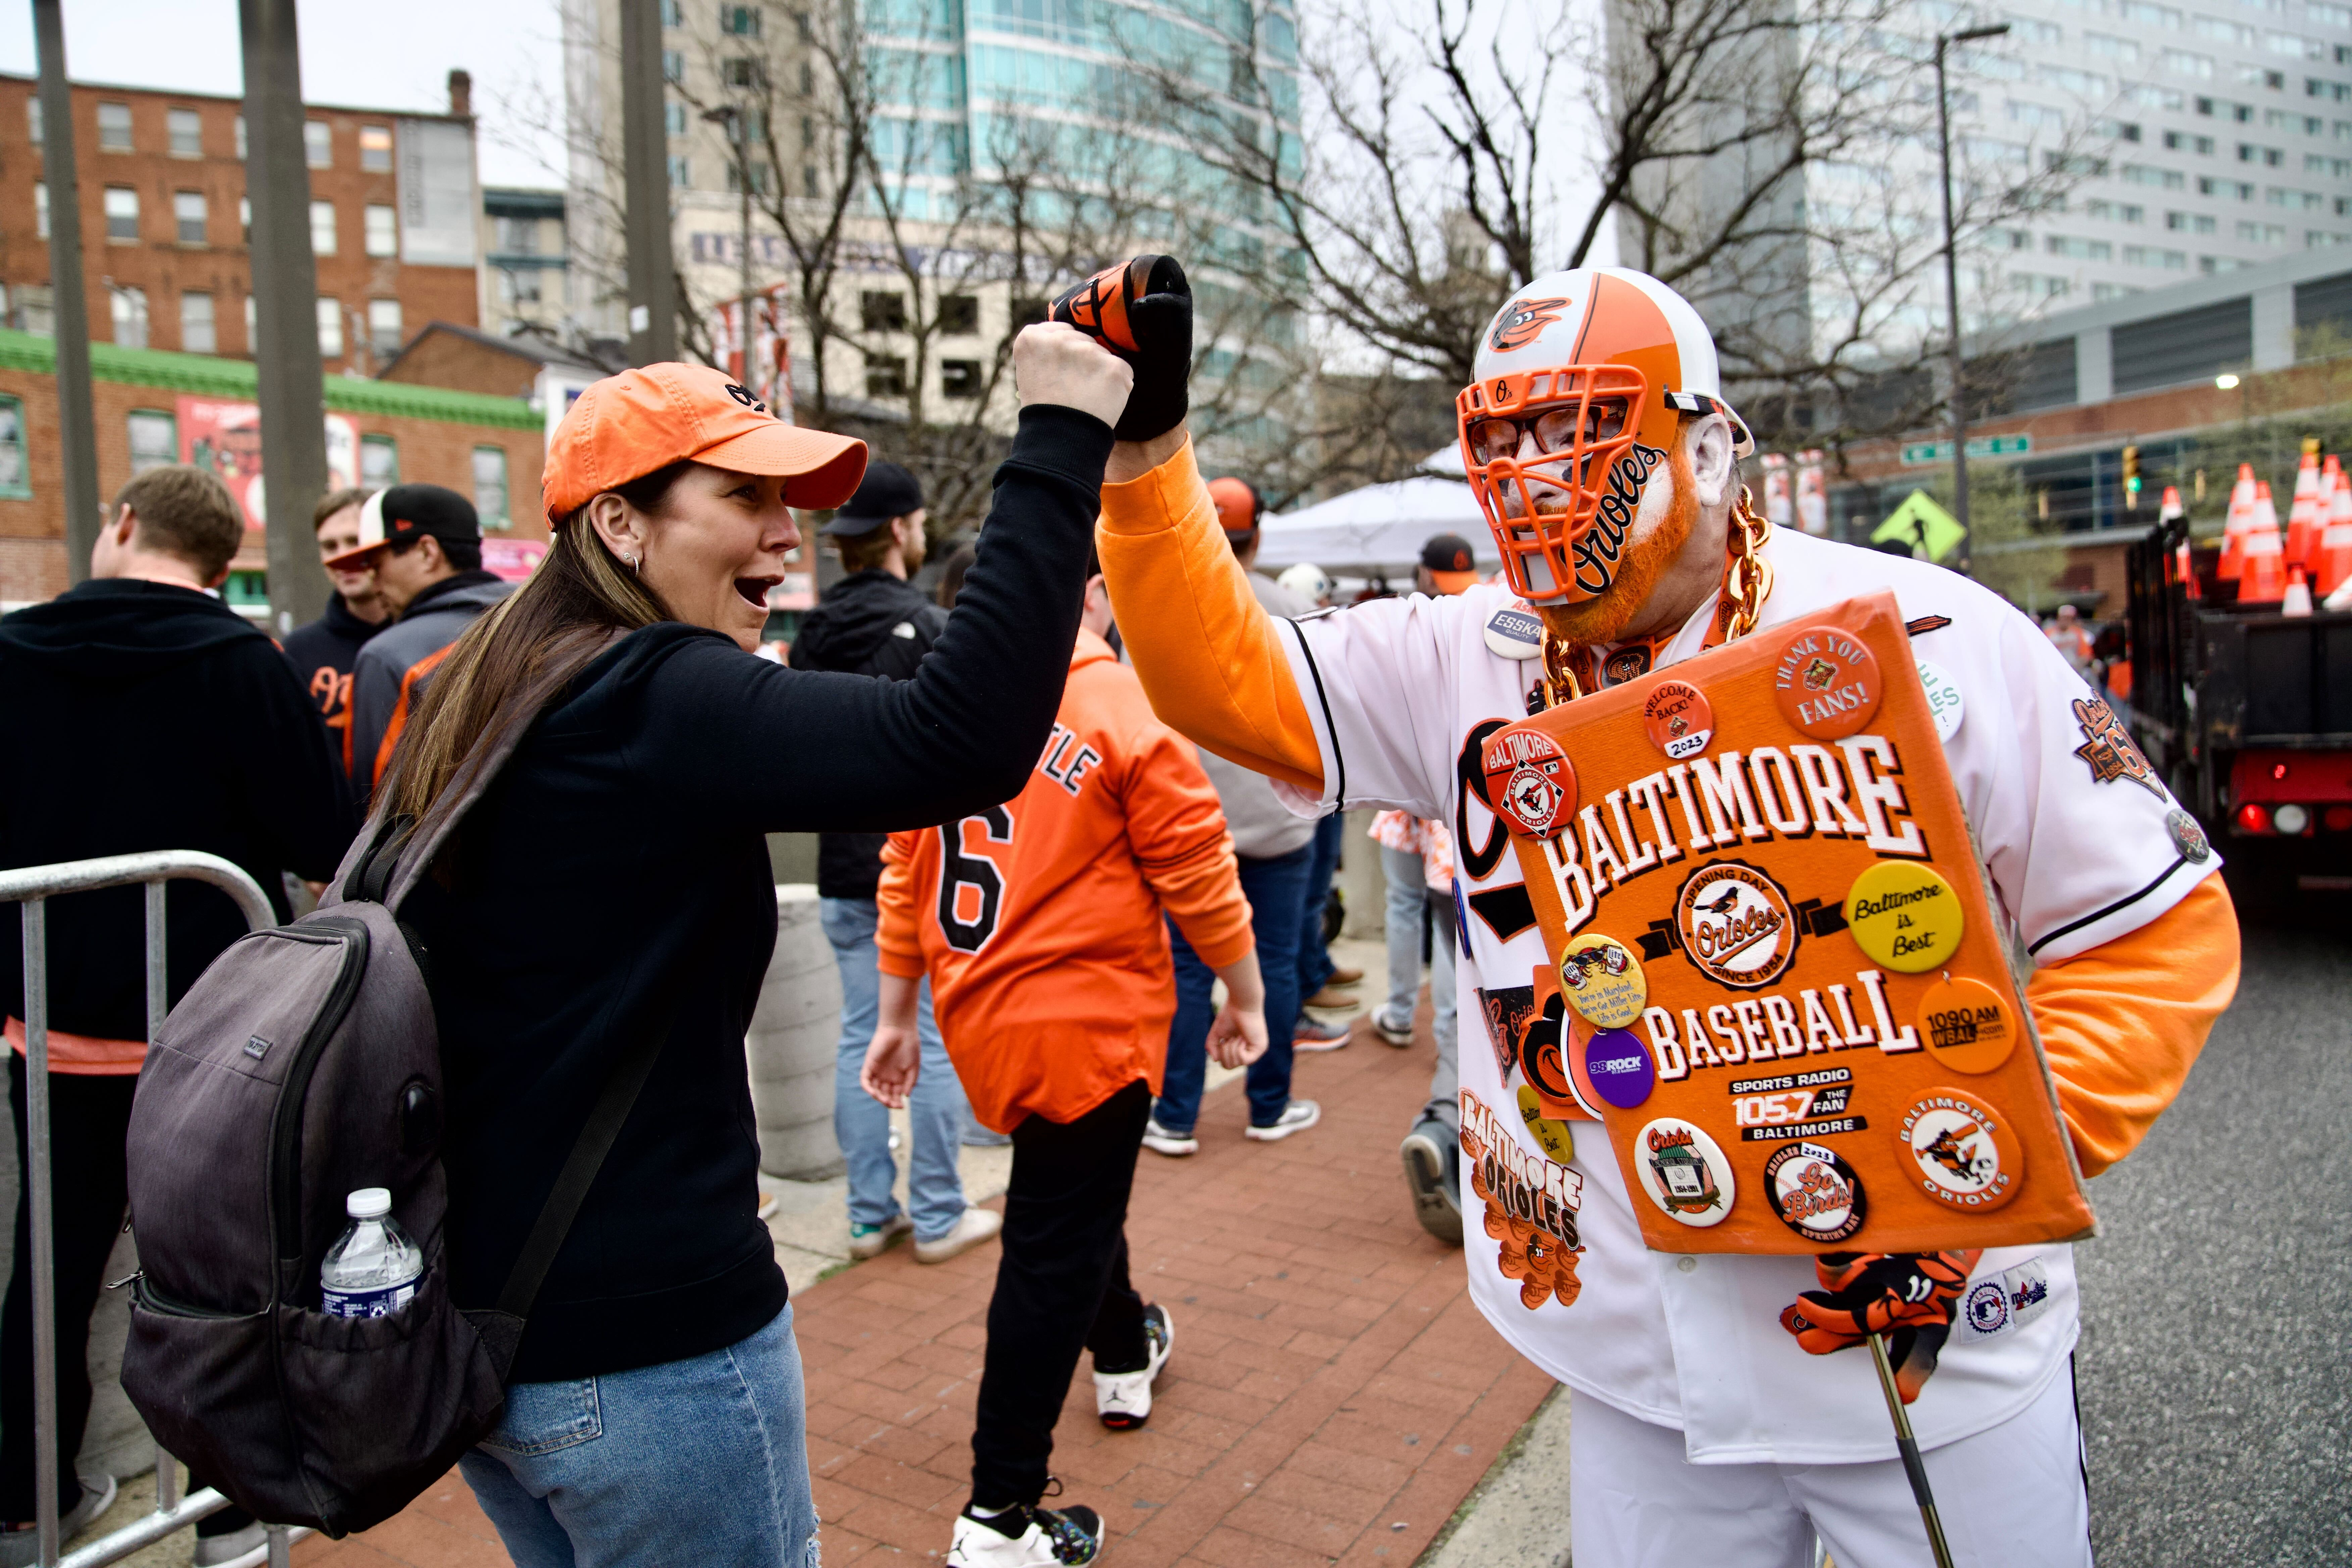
(1792,923)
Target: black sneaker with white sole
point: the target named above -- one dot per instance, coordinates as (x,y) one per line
(1123,1399)
(1431,1150)
(1027,1537)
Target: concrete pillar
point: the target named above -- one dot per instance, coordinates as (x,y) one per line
(793,1040)
(1361,885)
(2273,311)
(2094,367)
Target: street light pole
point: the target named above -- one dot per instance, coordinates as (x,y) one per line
(69,309)
(738,136)
(1952,289)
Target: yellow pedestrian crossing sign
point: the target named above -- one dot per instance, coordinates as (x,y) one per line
(1921,524)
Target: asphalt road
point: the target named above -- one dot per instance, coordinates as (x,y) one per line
(2215,1371)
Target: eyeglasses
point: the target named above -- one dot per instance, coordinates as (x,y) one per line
(1557,430)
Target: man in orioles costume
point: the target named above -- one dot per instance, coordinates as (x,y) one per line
(1721,1413)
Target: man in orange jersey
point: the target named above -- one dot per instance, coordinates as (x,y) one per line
(1040,924)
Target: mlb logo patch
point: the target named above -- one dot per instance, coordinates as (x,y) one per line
(2010,1300)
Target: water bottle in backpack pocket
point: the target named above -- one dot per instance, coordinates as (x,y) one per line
(372,1269)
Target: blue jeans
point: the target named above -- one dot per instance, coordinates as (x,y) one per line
(1315,965)
(1274,888)
(1414,909)
(936,1110)
(703,1461)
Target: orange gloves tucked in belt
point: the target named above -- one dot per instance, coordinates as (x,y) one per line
(1907,1296)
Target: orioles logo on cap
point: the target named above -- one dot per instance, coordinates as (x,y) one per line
(743,396)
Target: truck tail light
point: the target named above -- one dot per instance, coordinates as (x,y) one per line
(2254,818)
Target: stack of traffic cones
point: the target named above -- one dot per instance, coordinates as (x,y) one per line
(2308,515)
(2241,518)
(2262,554)
(2332,561)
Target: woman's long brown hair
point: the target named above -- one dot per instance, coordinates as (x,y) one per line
(552,625)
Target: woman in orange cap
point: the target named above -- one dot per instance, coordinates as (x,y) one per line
(615,882)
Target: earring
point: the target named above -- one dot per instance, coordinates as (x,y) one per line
(637,563)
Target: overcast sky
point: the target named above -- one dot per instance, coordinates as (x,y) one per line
(368,56)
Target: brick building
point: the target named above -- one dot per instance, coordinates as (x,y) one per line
(394,205)
(152,406)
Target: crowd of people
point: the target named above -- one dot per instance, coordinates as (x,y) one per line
(1100,777)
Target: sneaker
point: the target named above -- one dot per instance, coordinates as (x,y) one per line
(1297,1117)
(1331,999)
(1345,977)
(978,1137)
(247,1548)
(1429,1171)
(1026,1537)
(21,1548)
(1159,1140)
(972,1227)
(1123,1399)
(1393,1032)
(1310,1035)
(871,1240)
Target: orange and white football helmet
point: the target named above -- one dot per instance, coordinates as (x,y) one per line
(1582,380)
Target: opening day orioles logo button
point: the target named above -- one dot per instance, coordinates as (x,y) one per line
(1826,682)
(1961,1150)
(1678,719)
(1684,1171)
(1967,1025)
(1814,1192)
(1619,1067)
(1736,924)
(1602,980)
(1530,781)
(1905,916)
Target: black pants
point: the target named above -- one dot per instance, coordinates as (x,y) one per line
(1061,1285)
(89,1116)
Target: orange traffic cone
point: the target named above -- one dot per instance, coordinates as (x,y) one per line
(2298,594)
(2240,517)
(2332,561)
(2305,517)
(2263,557)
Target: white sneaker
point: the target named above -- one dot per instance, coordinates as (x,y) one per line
(21,1548)
(1051,1538)
(872,1240)
(1123,1399)
(1175,1145)
(970,1229)
(1297,1117)
(1388,1029)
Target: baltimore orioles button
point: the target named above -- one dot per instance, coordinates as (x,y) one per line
(1826,682)
(1966,1024)
(1530,781)
(1684,1171)
(1678,719)
(1960,1150)
(1603,981)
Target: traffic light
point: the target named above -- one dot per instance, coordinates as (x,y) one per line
(2131,476)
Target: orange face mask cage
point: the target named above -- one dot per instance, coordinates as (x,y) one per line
(1578,474)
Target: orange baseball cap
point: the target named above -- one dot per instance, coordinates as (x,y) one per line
(626,426)
(1237,504)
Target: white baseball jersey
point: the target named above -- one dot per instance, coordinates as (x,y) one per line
(2083,843)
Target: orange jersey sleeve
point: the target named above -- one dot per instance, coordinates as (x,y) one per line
(898,934)
(2122,1024)
(1202,645)
(1176,830)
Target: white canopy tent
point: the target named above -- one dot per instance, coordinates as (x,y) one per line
(1377,530)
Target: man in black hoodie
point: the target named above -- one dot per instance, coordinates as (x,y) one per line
(145,714)
(323,652)
(874,622)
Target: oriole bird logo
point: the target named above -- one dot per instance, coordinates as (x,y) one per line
(1521,321)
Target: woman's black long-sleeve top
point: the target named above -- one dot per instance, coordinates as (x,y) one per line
(616,881)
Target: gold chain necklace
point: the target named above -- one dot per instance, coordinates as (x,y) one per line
(1746,584)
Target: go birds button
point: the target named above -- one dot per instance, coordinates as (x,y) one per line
(1905,916)
(1826,682)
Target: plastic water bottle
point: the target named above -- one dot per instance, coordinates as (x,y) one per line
(374,1266)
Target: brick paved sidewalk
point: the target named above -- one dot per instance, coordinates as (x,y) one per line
(1332,1398)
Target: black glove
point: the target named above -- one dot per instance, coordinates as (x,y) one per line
(1140,310)
(1907,1296)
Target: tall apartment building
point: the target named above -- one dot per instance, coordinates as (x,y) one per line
(525,271)
(165,221)
(962,90)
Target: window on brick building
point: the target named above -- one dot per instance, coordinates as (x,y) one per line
(383,231)
(122,212)
(379,462)
(318,145)
(33,117)
(331,328)
(322,228)
(114,128)
(129,312)
(154,439)
(41,211)
(198,332)
(375,149)
(188,217)
(490,486)
(186,129)
(385,336)
(15,478)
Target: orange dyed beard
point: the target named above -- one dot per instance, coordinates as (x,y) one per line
(1598,620)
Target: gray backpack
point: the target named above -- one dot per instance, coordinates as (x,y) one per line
(303,1064)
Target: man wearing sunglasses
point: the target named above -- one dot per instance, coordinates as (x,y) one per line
(1711,1421)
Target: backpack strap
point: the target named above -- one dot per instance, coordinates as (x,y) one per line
(501,1328)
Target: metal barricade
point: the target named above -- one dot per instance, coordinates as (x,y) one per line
(33,886)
